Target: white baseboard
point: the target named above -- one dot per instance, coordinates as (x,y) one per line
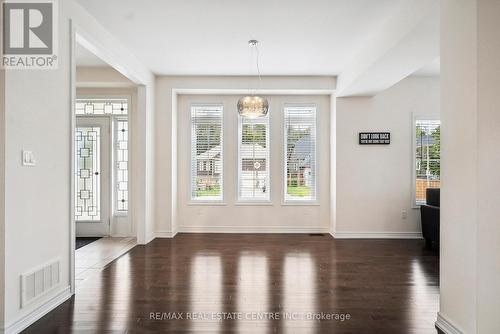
(106,236)
(165,234)
(252,229)
(149,238)
(377,235)
(39,312)
(124,235)
(289,229)
(446,326)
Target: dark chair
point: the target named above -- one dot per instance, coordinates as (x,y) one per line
(429,213)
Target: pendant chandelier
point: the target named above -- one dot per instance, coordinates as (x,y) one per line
(253,106)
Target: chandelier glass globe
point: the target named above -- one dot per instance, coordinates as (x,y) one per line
(253,106)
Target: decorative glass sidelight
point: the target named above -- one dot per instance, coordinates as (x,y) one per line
(121,165)
(88,174)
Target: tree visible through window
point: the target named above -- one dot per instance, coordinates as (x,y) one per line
(427,157)
(253,183)
(300,155)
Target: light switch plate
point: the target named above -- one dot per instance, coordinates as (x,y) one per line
(28,158)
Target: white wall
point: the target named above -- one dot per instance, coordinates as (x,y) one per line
(232,217)
(97,77)
(374,183)
(470,238)
(166,132)
(488,190)
(37,199)
(458,135)
(2,197)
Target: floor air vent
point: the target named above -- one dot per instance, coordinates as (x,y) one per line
(38,282)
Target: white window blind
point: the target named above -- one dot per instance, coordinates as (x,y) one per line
(253,160)
(300,154)
(427,157)
(206,153)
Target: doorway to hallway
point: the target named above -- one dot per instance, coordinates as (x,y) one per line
(101,166)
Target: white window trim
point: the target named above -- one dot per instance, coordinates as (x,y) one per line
(299,202)
(416,117)
(204,201)
(248,201)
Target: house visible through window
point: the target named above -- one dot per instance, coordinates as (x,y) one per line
(427,157)
(300,154)
(253,161)
(206,153)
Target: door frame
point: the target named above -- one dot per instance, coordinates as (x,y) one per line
(142,83)
(128,95)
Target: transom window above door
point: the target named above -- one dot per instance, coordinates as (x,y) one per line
(101,107)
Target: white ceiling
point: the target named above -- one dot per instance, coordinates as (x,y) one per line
(85,58)
(209,37)
(430,70)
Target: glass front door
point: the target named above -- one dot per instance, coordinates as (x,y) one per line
(92,150)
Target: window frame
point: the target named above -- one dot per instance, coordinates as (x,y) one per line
(287,201)
(418,117)
(249,201)
(203,201)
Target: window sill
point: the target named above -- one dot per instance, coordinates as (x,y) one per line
(89,221)
(206,203)
(254,203)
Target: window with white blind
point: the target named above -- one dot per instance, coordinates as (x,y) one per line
(300,154)
(253,159)
(206,153)
(427,150)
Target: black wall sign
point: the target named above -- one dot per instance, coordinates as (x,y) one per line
(374,138)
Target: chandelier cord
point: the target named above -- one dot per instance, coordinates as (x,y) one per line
(254,106)
(257,62)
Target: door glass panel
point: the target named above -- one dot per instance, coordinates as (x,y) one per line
(88,174)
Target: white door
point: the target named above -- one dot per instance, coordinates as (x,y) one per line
(92,176)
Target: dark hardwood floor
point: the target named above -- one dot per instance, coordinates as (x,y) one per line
(254,282)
